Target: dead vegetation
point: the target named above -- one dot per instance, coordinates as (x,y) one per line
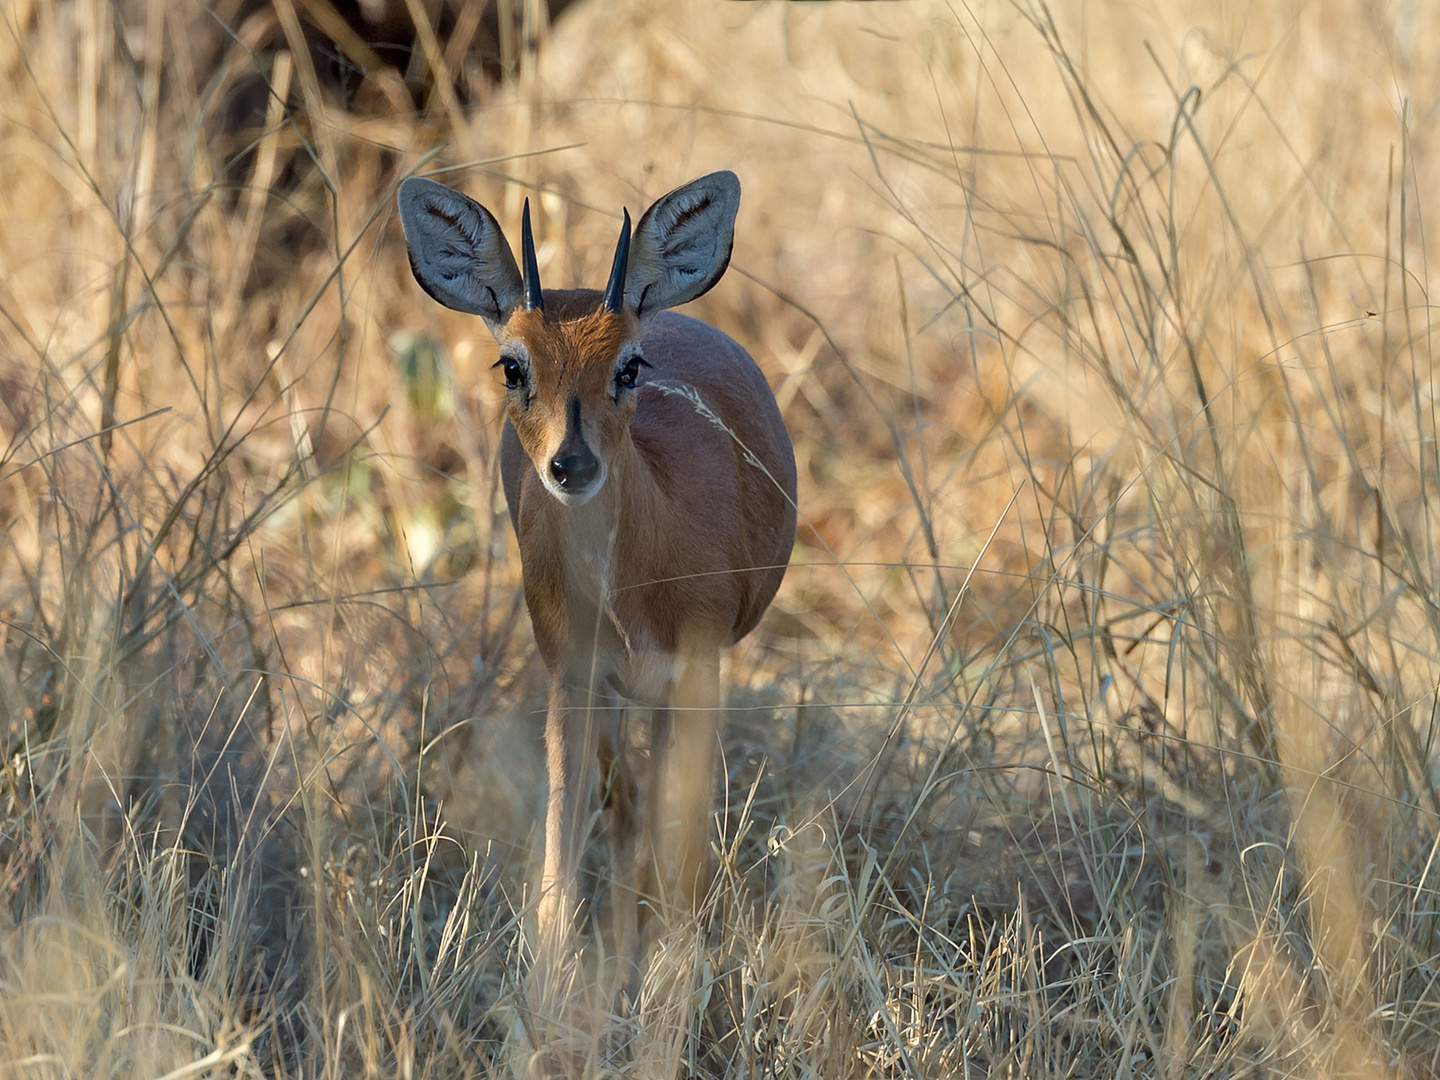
(1092,733)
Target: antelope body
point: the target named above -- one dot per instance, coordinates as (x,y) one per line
(651,484)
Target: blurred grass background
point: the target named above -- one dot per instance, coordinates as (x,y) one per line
(1093,730)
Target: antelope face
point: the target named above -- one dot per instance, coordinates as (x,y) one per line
(570,391)
(570,373)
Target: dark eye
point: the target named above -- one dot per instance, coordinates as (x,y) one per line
(514,372)
(626,376)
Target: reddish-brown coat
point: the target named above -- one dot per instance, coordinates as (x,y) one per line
(696,517)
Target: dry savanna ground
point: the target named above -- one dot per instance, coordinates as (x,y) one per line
(1093,731)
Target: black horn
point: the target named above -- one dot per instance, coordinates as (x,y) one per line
(615,291)
(533,300)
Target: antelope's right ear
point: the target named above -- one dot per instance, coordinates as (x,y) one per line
(458,253)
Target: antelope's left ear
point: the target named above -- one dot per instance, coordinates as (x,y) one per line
(682,244)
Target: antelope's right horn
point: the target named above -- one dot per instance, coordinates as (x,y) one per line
(534,301)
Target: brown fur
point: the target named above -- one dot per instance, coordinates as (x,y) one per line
(635,592)
(702,534)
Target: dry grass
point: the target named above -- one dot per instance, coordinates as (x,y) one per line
(1093,731)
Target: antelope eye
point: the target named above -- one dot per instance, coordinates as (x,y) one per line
(626,376)
(514,372)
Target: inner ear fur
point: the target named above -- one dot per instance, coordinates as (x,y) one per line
(682,244)
(458,253)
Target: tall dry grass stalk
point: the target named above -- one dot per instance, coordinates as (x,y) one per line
(1093,732)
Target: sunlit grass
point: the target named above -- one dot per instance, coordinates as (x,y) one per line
(1092,732)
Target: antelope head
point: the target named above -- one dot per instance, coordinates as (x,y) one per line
(572,362)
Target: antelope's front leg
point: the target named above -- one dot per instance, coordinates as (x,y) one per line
(620,797)
(571,730)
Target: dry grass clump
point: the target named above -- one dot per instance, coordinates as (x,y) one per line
(1093,731)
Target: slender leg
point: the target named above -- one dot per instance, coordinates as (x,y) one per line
(690,772)
(620,796)
(683,755)
(652,877)
(571,730)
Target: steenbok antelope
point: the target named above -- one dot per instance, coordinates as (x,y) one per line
(651,484)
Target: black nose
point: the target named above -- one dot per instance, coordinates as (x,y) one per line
(577,470)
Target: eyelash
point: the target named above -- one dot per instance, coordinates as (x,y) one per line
(514,372)
(626,376)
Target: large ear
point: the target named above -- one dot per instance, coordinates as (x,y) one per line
(682,244)
(457,251)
